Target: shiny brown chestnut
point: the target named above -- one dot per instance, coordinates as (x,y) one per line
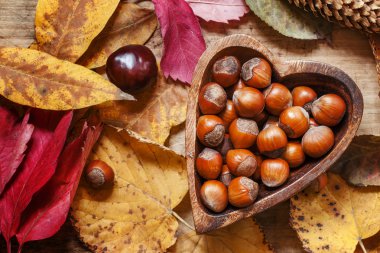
(226,71)
(257,175)
(328,110)
(212,98)
(229,114)
(248,102)
(277,98)
(225,146)
(226,176)
(261,118)
(241,162)
(294,121)
(321,182)
(317,141)
(242,192)
(294,154)
(214,195)
(99,174)
(209,163)
(274,172)
(303,96)
(272,141)
(210,130)
(132,67)
(243,132)
(271,121)
(312,123)
(256,73)
(230,90)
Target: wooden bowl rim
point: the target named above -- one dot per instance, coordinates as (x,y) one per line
(205,221)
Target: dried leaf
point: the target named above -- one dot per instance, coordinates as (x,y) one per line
(176,139)
(136,214)
(13,139)
(219,10)
(36,79)
(240,237)
(49,207)
(156,110)
(130,24)
(289,20)
(337,218)
(48,138)
(182,37)
(65,28)
(360,163)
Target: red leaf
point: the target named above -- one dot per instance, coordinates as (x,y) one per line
(48,138)
(219,10)
(182,36)
(13,139)
(49,207)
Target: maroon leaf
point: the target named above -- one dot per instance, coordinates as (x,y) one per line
(13,139)
(49,207)
(48,138)
(182,36)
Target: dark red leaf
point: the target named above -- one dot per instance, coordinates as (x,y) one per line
(48,138)
(49,207)
(182,36)
(13,139)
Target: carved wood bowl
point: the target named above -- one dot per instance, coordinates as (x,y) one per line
(323,78)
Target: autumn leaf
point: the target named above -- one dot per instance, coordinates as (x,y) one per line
(48,209)
(65,28)
(176,139)
(337,218)
(158,108)
(360,163)
(136,214)
(130,24)
(37,79)
(219,10)
(182,37)
(48,138)
(14,137)
(290,21)
(240,237)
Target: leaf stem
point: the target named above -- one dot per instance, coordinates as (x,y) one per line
(362,245)
(20,248)
(183,221)
(9,246)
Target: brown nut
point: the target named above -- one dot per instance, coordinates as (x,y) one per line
(317,141)
(209,163)
(99,174)
(248,102)
(274,172)
(304,96)
(230,90)
(271,121)
(226,176)
(225,146)
(321,182)
(294,154)
(272,141)
(261,118)
(294,121)
(328,110)
(214,195)
(241,162)
(243,132)
(212,98)
(226,71)
(257,174)
(256,73)
(228,114)
(210,130)
(277,98)
(242,192)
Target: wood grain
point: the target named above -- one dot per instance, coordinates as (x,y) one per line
(349,50)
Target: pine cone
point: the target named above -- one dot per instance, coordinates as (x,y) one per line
(360,14)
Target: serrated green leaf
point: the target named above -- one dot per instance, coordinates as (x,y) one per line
(290,21)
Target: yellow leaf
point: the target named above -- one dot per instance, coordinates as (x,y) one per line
(241,237)
(37,79)
(337,218)
(130,24)
(136,214)
(157,109)
(65,28)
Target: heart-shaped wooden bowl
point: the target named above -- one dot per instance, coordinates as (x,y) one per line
(322,77)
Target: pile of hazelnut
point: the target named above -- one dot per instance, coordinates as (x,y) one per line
(253,130)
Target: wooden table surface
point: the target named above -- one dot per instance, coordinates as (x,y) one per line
(348,50)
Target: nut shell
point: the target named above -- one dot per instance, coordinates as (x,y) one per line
(256,73)
(212,98)
(294,121)
(229,114)
(230,90)
(294,154)
(226,71)
(303,96)
(248,102)
(274,172)
(277,98)
(272,141)
(225,176)
(242,192)
(214,195)
(209,163)
(328,110)
(225,146)
(210,130)
(243,132)
(241,162)
(317,141)
(99,174)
